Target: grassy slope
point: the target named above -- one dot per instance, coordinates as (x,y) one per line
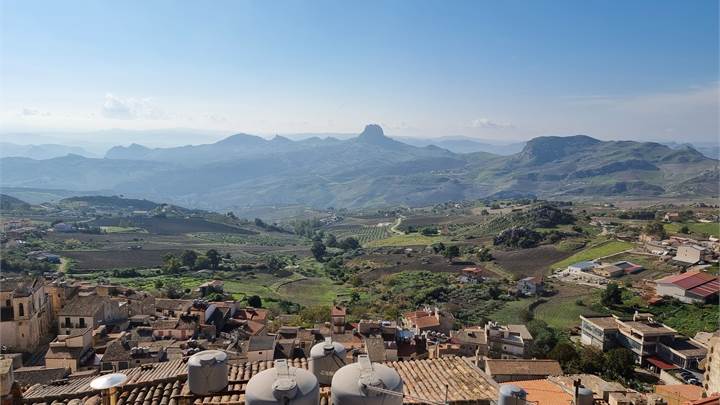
(594,252)
(413,239)
(709,228)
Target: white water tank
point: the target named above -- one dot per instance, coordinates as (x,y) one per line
(325,359)
(510,394)
(283,385)
(584,396)
(208,372)
(357,384)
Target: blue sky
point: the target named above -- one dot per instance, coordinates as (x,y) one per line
(488,69)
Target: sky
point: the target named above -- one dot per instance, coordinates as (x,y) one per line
(509,70)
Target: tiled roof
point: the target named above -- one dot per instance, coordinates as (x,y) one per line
(80,387)
(261,343)
(172,304)
(83,306)
(685,392)
(27,376)
(427,322)
(166,384)
(544,392)
(522,367)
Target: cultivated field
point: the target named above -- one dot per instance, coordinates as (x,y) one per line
(529,262)
(170,226)
(595,251)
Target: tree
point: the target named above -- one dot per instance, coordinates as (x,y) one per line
(202,262)
(655,229)
(213,257)
(563,352)
(188,258)
(173,289)
(685,230)
(254,301)
(318,250)
(349,244)
(171,264)
(620,363)
(484,255)
(544,338)
(315,314)
(452,252)
(591,360)
(274,263)
(331,240)
(612,295)
(158,284)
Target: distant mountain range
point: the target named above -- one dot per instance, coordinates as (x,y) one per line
(371,169)
(42,151)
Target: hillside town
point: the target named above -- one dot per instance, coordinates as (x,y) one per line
(104,329)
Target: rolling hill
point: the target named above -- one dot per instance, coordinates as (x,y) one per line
(372,170)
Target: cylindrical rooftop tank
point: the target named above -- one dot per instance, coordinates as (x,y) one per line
(510,394)
(325,359)
(366,383)
(584,396)
(208,372)
(283,385)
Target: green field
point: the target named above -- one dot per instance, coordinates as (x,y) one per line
(365,234)
(122,229)
(563,313)
(511,312)
(707,228)
(413,239)
(595,251)
(295,288)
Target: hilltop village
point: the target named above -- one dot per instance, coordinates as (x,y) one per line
(463,302)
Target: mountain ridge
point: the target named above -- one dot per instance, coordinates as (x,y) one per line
(372,169)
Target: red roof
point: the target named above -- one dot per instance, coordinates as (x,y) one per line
(688,280)
(659,363)
(707,289)
(427,322)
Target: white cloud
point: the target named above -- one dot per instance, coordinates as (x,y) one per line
(487,123)
(130,108)
(30,112)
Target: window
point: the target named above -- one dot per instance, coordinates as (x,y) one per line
(21,309)
(8,303)
(82,322)
(67,322)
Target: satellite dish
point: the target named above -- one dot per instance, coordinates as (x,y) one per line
(108,381)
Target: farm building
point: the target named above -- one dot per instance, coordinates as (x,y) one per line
(471,275)
(530,286)
(628,267)
(691,254)
(582,266)
(693,286)
(609,271)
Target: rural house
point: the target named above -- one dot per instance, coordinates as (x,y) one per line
(529,286)
(89,311)
(693,286)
